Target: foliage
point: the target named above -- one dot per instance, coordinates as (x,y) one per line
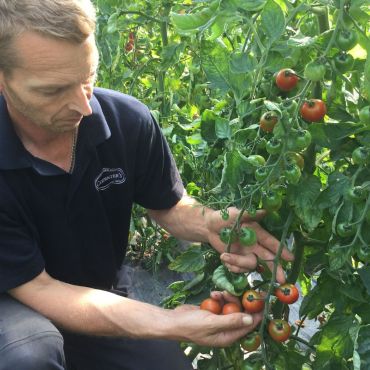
(207,70)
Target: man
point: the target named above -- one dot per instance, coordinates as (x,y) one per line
(73,160)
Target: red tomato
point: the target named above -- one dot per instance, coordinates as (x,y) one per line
(286,79)
(279,330)
(129,46)
(211,305)
(252,301)
(313,110)
(230,307)
(287,293)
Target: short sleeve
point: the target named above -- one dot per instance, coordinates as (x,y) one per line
(157,181)
(20,257)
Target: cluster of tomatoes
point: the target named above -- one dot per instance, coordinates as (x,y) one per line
(130,44)
(253,301)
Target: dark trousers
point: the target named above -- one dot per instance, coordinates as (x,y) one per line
(29,341)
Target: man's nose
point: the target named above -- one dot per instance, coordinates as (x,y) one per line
(80,100)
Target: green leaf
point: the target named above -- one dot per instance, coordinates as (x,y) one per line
(242,62)
(366,83)
(273,21)
(171,55)
(337,185)
(338,257)
(303,198)
(223,128)
(235,165)
(364,273)
(189,261)
(192,23)
(247,5)
(361,354)
(208,126)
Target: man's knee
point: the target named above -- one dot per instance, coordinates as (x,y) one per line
(41,351)
(28,341)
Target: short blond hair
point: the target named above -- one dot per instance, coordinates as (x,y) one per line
(70,20)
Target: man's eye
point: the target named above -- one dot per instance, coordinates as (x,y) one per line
(51,92)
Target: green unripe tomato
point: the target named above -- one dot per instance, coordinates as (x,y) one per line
(247,236)
(272,200)
(228,236)
(343,62)
(314,71)
(346,39)
(365,115)
(360,155)
(292,174)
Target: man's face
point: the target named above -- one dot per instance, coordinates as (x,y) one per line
(52,87)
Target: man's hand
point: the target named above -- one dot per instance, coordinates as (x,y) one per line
(208,329)
(241,258)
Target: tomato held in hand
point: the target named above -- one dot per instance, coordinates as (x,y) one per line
(313,110)
(211,305)
(228,235)
(287,293)
(230,307)
(253,301)
(268,121)
(286,79)
(247,236)
(279,330)
(250,342)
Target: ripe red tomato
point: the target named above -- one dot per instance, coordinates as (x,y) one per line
(230,307)
(129,46)
(252,301)
(211,305)
(279,330)
(268,121)
(251,342)
(286,79)
(313,110)
(287,293)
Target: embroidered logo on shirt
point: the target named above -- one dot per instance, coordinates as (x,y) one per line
(108,177)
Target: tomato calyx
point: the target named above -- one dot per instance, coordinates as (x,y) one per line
(287,293)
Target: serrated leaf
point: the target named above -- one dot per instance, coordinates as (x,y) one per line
(192,23)
(235,165)
(364,273)
(247,5)
(190,261)
(171,55)
(337,185)
(303,198)
(273,21)
(223,128)
(242,62)
(361,354)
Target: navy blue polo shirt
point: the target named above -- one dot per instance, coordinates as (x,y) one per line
(76,225)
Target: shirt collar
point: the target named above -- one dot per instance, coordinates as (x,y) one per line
(94,129)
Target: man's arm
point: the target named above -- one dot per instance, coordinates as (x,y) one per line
(97,312)
(189,220)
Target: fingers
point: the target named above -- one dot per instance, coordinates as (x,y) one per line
(224,297)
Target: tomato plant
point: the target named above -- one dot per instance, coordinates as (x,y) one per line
(209,73)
